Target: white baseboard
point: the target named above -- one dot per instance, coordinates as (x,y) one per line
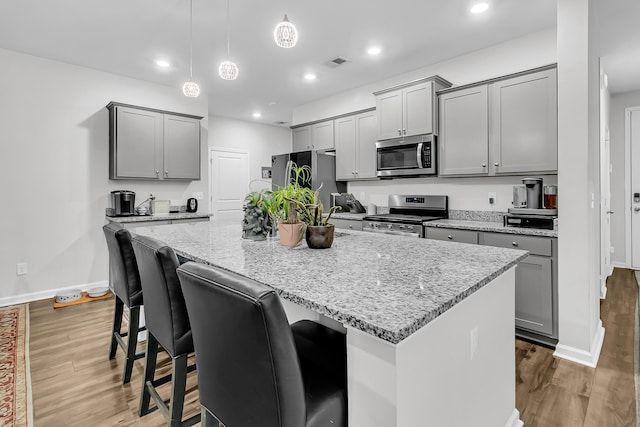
(49,293)
(583,357)
(514,419)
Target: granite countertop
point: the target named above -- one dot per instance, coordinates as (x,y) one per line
(161,217)
(387,286)
(495,227)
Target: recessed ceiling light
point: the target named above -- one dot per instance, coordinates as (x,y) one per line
(162,63)
(479,8)
(374,51)
(310,76)
(256,115)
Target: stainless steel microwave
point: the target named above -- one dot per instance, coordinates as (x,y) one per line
(410,156)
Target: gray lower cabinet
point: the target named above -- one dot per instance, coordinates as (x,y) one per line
(452,235)
(536,292)
(348,224)
(151,144)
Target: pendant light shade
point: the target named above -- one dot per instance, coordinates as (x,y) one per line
(285,34)
(228,70)
(191,88)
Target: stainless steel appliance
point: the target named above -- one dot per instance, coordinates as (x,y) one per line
(534,192)
(527,208)
(323,172)
(347,203)
(411,156)
(406,215)
(123,202)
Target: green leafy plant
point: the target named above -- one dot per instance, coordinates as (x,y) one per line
(257,222)
(284,203)
(311,209)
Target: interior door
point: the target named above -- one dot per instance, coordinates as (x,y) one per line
(229,183)
(634,134)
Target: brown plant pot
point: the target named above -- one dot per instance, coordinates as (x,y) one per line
(291,235)
(320,236)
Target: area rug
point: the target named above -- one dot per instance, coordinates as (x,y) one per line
(636,350)
(15,381)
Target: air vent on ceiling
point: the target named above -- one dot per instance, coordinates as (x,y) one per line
(338,60)
(279,123)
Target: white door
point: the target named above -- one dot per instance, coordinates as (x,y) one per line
(229,172)
(605,210)
(633,127)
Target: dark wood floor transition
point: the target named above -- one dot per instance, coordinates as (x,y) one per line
(75,385)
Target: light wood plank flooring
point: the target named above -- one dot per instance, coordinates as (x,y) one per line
(74,384)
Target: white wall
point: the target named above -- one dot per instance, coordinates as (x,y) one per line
(54,168)
(260,140)
(617,125)
(516,55)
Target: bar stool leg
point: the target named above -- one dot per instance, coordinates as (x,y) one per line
(149,372)
(178,386)
(207,419)
(132,343)
(117,324)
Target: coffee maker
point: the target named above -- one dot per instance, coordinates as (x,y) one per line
(528,209)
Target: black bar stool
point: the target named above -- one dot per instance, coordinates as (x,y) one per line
(167,325)
(254,369)
(125,282)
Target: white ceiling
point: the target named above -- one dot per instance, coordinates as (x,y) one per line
(126,36)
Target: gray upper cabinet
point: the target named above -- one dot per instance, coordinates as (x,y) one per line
(409,109)
(464,132)
(505,127)
(302,138)
(524,124)
(153,144)
(318,136)
(355,138)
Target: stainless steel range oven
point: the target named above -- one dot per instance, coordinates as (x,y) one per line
(406,215)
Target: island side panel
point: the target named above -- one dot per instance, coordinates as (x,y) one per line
(429,378)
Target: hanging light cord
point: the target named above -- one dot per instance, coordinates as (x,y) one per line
(191,39)
(228,31)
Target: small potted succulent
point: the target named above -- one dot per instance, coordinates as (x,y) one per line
(257,223)
(319,233)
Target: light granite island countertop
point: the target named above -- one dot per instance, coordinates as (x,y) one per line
(409,308)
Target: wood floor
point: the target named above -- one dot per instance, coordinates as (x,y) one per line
(74,384)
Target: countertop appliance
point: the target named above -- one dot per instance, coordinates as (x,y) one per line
(528,209)
(323,172)
(410,156)
(347,203)
(406,215)
(123,202)
(192,205)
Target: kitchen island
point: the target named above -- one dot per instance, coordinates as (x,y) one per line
(429,324)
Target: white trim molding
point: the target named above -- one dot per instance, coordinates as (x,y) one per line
(50,293)
(583,357)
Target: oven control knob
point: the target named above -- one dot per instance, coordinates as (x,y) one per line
(409,227)
(370,225)
(389,226)
(402,227)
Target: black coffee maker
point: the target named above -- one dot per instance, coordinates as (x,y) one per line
(123,202)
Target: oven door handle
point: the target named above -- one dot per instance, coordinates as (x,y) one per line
(394,233)
(419,155)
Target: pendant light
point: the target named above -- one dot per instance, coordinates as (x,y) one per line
(228,70)
(285,34)
(191,88)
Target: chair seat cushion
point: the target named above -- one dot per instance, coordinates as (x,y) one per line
(322,355)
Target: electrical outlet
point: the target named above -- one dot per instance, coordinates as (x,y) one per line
(474,342)
(22,268)
(492,198)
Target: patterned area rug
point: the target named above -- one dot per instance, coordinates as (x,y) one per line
(15,381)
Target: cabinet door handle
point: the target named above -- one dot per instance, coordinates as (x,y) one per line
(450,237)
(350,226)
(496,164)
(166,173)
(399,131)
(404,131)
(356,172)
(157,173)
(514,243)
(610,212)
(484,165)
(636,209)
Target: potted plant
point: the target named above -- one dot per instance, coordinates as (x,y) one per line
(284,205)
(319,233)
(257,223)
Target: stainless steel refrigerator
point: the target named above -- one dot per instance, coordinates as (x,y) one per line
(323,171)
